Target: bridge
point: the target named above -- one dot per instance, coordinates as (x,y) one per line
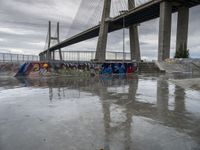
(130,19)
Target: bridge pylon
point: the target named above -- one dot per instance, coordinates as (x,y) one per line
(103,32)
(182,28)
(51,55)
(165,24)
(134,37)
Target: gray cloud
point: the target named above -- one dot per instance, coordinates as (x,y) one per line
(23,27)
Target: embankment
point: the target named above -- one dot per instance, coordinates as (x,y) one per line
(180,66)
(8,68)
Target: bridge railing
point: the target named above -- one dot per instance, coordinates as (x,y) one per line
(9,57)
(90,55)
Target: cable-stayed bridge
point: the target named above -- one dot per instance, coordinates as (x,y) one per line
(130,16)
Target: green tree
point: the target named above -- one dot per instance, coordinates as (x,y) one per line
(182,52)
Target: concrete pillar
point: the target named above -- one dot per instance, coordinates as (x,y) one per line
(165,30)
(58,39)
(182,27)
(134,37)
(49,42)
(103,33)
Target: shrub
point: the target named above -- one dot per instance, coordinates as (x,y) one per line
(182,52)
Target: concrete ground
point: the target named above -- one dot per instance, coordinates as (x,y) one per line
(180,66)
(142,112)
(193,83)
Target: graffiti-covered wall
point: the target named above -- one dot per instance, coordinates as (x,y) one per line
(74,69)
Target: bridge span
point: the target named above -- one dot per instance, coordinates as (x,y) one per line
(148,11)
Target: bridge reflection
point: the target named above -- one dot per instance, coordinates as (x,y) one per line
(123,108)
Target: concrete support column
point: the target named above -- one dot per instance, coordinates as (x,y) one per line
(165,30)
(58,39)
(103,33)
(182,28)
(134,37)
(49,42)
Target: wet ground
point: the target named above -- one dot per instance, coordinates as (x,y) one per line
(120,113)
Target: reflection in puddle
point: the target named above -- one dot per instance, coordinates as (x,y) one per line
(120,113)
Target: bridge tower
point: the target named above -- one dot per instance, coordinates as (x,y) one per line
(51,55)
(182,27)
(165,30)
(134,37)
(103,32)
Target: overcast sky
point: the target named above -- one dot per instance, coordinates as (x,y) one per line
(23,28)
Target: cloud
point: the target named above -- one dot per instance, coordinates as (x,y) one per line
(23,26)
(18,31)
(2,40)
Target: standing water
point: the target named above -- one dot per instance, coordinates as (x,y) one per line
(118,113)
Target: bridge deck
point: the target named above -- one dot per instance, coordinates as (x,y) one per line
(137,15)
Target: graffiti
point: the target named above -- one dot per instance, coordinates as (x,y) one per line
(118,68)
(34,69)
